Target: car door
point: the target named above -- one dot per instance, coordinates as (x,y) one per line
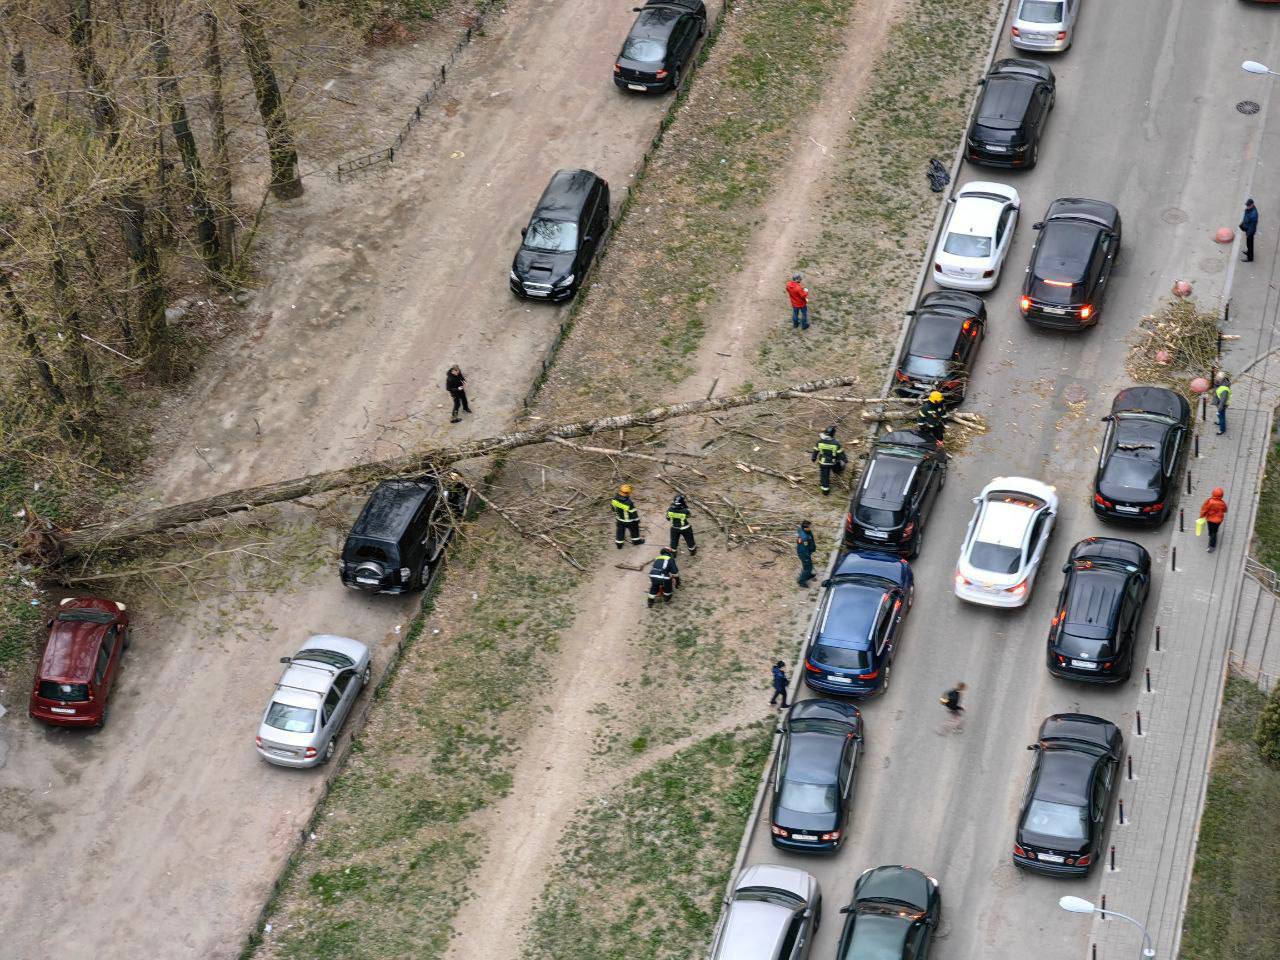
(888,634)
(1004,232)
(104,666)
(683,36)
(1040,528)
(1044,95)
(330,717)
(848,767)
(1099,804)
(1170,453)
(347,689)
(1129,617)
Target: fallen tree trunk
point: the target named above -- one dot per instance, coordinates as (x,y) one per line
(56,546)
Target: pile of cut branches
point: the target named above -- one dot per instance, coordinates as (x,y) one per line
(1176,343)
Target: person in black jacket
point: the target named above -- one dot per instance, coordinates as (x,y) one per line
(626,517)
(664,576)
(678,514)
(455,382)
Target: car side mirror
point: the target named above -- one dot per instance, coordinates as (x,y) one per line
(777,730)
(1106,419)
(951,199)
(286,659)
(910,313)
(825,583)
(977,499)
(847,908)
(1033,746)
(524,231)
(1038,225)
(49,625)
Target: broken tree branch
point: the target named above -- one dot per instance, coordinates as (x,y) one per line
(545,538)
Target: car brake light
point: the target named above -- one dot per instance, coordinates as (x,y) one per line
(1014,31)
(1062,661)
(1085,860)
(1024,303)
(660,74)
(1102,501)
(1086,312)
(1017,590)
(1062,34)
(617,68)
(1154,508)
(309,752)
(779,831)
(949,384)
(909,529)
(833,835)
(811,668)
(961,581)
(1019,851)
(869,676)
(848,522)
(257,741)
(988,274)
(901,377)
(937,268)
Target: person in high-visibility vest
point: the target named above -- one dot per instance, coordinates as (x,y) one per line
(931,421)
(678,514)
(664,576)
(626,517)
(1222,398)
(829,456)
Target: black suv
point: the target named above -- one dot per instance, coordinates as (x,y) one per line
(903,476)
(659,45)
(1075,252)
(1095,628)
(1142,455)
(1012,111)
(398,541)
(947,328)
(562,237)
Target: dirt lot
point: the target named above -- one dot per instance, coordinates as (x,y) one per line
(160,835)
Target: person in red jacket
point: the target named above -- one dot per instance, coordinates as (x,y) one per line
(1214,512)
(799,303)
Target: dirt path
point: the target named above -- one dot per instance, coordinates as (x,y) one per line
(555,775)
(160,836)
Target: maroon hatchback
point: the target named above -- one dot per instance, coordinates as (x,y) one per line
(80,662)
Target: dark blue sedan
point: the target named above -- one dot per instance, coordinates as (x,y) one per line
(853,641)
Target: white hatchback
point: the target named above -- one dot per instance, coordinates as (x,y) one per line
(1006,541)
(977,236)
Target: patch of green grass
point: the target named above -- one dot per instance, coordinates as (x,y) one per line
(1233,911)
(642,870)
(1266,525)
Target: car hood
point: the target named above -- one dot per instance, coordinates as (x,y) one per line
(538,266)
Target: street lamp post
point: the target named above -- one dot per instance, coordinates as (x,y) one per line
(1080,905)
(1253,66)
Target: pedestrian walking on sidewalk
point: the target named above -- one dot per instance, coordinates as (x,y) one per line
(1249,224)
(806,547)
(955,712)
(1214,511)
(455,382)
(799,303)
(1222,398)
(780,684)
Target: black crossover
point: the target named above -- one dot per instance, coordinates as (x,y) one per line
(899,485)
(1076,249)
(398,540)
(660,45)
(894,915)
(562,237)
(946,330)
(813,778)
(1142,455)
(1094,630)
(1016,98)
(1063,820)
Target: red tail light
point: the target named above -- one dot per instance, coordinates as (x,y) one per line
(1102,501)
(937,268)
(309,752)
(988,274)
(848,523)
(811,668)
(909,529)
(869,676)
(949,384)
(779,831)
(617,68)
(1019,851)
(1086,312)
(1154,508)
(1062,34)
(1062,661)
(833,835)
(1085,860)
(661,74)
(257,741)
(1024,303)
(1014,31)
(901,377)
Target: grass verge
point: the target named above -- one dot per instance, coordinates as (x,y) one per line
(1233,911)
(1266,525)
(644,866)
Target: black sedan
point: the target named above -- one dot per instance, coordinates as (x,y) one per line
(1075,252)
(1095,628)
(946,331)
(1016,98)
(1142,455)
(660,45)
(813,778)
(895,913)
(899,486)
(1063,821)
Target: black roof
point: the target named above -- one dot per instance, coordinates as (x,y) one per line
(1097,211)
(1111,549)
(565,194)
(1065,248)
(887,481)
(1078,727)
(1093,602)
(935,334)
(1004,101)
(814,756)
(1158,400)
(951,301)
(1064,777)
(390,508)
(1018,66)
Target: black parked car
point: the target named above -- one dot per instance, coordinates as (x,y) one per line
(1069,792)
(899,485)
(813,777)
(1142,455)
(1075,252)
(660,44)
(1095,628)
(945,334)
(1014,106)
(398,541)
(562,237)
(894,915)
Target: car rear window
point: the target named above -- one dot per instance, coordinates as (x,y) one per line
(1056,290)
(63,692)
(934,337)
(644,49)
(85,616)
(967,245)
(552,236)
(842,658)
(1041,11)
(808,797)
(358,550)
(877,517)
(291,719)
(1059,820)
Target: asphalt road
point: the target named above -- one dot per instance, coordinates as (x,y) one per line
(1145,118)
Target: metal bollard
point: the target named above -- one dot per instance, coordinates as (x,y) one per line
(1157,637)
(1204,407)
(1138,714)
(1130,760)
(1182,514)
(1188,481)
(1121,803)
(1197,446)
(1173,563)
(1148,673)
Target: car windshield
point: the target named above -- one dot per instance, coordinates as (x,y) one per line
(63,692)
(644,49)
(877,936)
(291,719)
(1041,11)
(552,236)
(1059,820)
(85,616)
(841,658)
(967,245)
(808,797)
(331,657)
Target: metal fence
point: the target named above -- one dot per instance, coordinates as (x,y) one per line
(476,21)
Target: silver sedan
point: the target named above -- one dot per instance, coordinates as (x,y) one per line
(1044,25)
(312,700)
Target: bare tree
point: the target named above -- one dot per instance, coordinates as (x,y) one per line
(285,182)
(220,168)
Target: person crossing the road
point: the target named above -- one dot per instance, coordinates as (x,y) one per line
(931,421)
(626,517)
(678,515)
(806,546)
(664,576)
(955,712)
(1222,398)
(829,455)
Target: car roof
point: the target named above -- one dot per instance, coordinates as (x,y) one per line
(753,928)
(71,649)
(309,676)
(903,884)
(850,612)
(975,215)
(390,508)
(654,23)
(1064,776)
(1093,602)
(1112,549)
(565,194)
(1165,402)
(814,756)
(888,480)
(1064,250)
(1005,522)
(1004,101)
(938,332)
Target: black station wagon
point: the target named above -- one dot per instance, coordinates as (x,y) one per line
(562,237)
(899,485)
(397,542)
(1075,252)
(1095,627)
(1012,111)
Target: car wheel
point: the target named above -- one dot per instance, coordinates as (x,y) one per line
(915,552)
(102,721)
(675,78)
(329,750)
(1035,156)
(888,675)
(367,675)
(128,639)
(702,27)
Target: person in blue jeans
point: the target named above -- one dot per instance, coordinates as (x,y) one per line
(799,302)
(780,684)
(806,546)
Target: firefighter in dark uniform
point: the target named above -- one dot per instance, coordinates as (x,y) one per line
(931,422)
(664,576)
(627,517)
(828,455)
(678,514)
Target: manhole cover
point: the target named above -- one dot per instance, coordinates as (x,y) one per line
(1174,215)
(1248,107)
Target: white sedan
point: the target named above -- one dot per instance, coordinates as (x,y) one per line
(1006,541)
(977,236)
